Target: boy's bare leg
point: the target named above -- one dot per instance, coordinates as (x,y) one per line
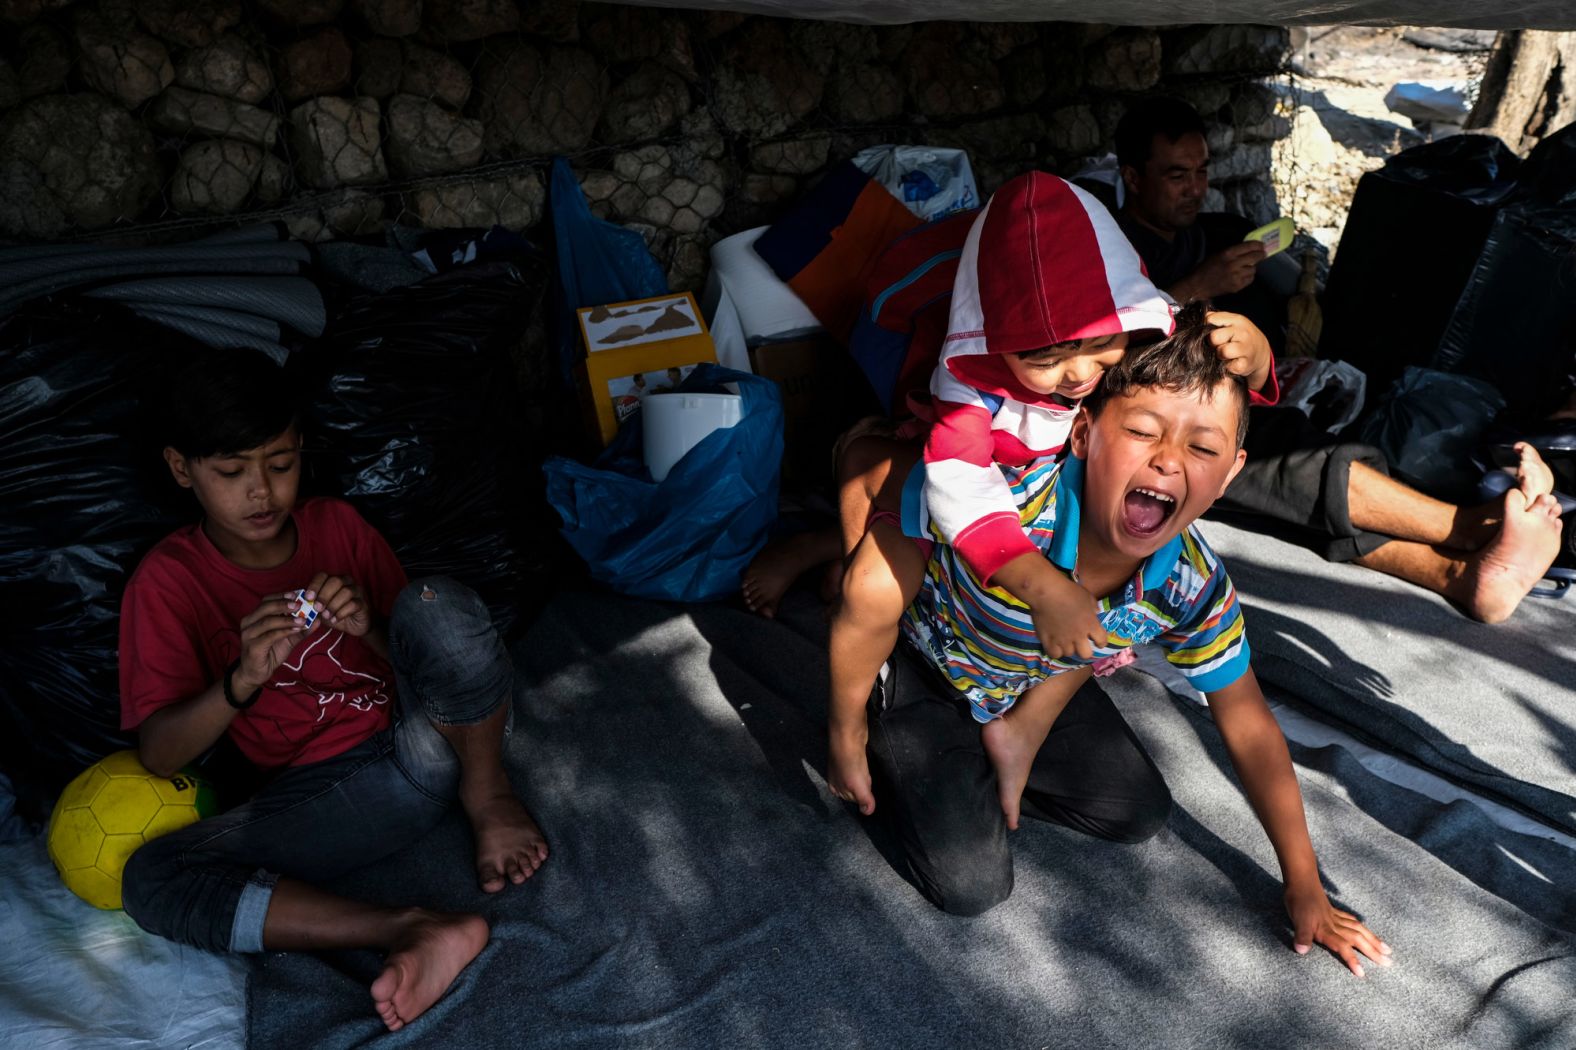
(1012,741)
(1378,503)
(781,562)
(882,577)
(1489,583)
(863,471)
(509,845)
(425,950)
(871,476)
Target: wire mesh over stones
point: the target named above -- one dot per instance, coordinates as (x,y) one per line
(229,66)
(43,60)
(426,139)
(317,64)
(532,104)
(73,162)
(118,58)
(622,35)
(645,104)
(10,86)
(390,17)
(458,21)
(434,75)
(799,156)
(945,83)
(763,86)
(338,142)
(1127,60)
(300,13)
(513,201)
(215,177)
(378,68)
(1227,49)
(1254,113)
(181,112)
(189,23)
(863,94)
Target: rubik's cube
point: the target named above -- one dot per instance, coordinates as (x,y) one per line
(306,611)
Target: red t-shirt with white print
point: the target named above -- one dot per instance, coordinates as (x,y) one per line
(180,629)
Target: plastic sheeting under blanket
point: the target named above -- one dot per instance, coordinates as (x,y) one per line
(76,978)
(704,889)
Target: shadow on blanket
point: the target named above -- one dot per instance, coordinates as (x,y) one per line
(704,891)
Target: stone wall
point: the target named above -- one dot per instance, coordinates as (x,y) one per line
(158,118)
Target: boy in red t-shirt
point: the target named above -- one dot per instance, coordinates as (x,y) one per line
(370,703)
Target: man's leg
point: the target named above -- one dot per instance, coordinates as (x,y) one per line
(1489,583)
(1376,502)
(1488,580)
(242,881)
(452,667)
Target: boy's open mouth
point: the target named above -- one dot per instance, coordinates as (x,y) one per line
(1145,510)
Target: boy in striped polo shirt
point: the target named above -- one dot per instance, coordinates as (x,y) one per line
(1150,453)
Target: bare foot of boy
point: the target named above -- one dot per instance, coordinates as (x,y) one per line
(509,845)
(1011,754)
(424,961)
(1501,574)
(781,562)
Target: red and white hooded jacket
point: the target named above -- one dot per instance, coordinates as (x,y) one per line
(1044,263)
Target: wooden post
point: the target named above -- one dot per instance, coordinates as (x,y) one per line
(1529,87)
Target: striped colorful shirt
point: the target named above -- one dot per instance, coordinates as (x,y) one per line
(983,639)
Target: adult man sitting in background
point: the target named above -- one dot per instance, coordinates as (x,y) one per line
(1338,495)
(1163,159)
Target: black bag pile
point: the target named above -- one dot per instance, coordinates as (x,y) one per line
(1412,238)
(1515,322)
(84,496)
(414,417)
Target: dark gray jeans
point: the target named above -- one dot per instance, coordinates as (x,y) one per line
(209,884)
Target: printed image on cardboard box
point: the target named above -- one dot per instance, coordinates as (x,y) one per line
(626,391)
(647,321)
(645,346)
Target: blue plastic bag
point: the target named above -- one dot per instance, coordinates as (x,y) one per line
(689,537)
(598,262)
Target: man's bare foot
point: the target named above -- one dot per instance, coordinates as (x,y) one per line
(1012,756)
(509,845)
(1533,476)
(424,961)
(772,571)
(1511,564)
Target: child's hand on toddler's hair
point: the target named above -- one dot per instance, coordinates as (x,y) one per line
(1068,622)
(1240,344)
(1316,921)
(342,603)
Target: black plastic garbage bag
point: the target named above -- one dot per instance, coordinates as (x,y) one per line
(1515,324)
(1409,244)
(1429,426)
(83,495)
(1549,173)
(414,417)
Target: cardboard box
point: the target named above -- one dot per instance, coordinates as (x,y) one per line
(812,373)
(638,347)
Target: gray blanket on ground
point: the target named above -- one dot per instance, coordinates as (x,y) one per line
(705,891)
(1493,708)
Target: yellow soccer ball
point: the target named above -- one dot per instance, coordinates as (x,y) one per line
(113,807)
